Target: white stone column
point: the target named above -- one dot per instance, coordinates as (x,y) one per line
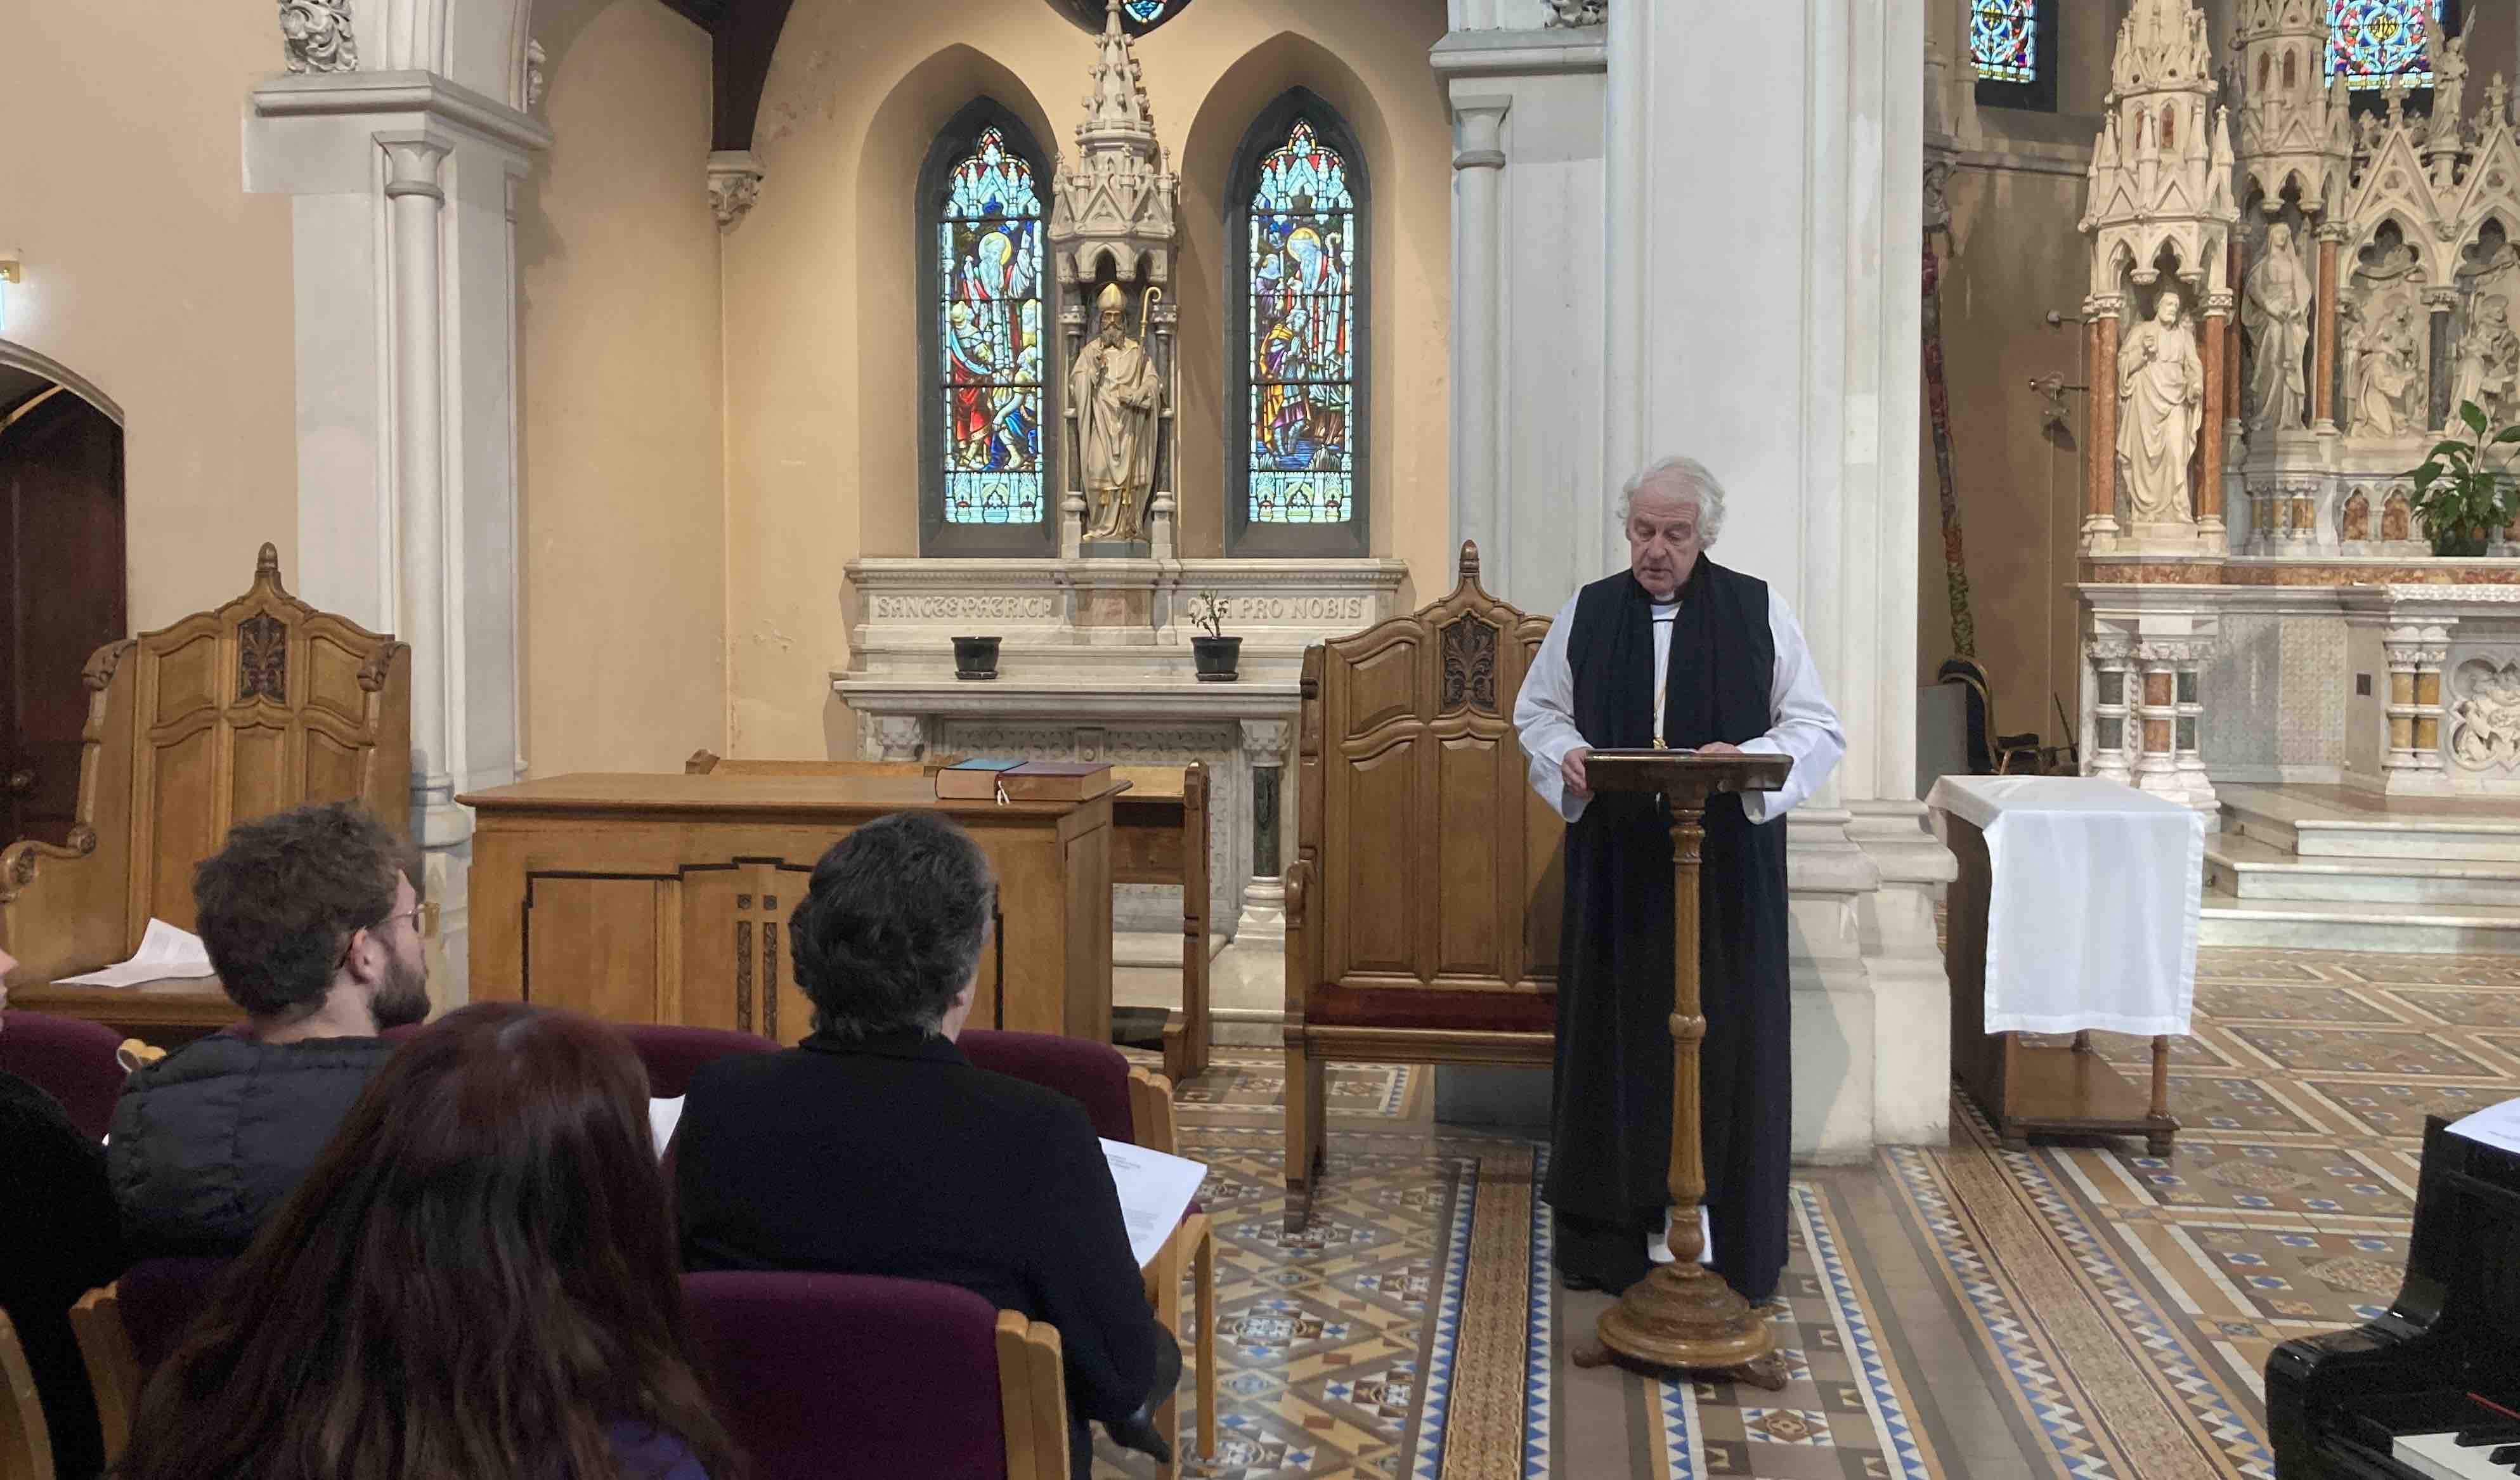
(1478,182)
(1781,349)
(1528,306)
(404,262)
(1264,899)
(414,198)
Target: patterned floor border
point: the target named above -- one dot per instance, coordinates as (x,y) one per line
(2133,1378)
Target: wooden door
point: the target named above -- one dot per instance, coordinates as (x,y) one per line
(61,597)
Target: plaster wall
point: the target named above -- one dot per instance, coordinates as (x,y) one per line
(624,507)
(150,274)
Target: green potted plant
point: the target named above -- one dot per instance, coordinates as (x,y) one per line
(2463,494)
(1216,654)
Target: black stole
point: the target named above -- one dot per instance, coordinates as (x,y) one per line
(1611,1120)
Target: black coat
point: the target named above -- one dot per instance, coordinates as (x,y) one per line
(1611,1121)
(895,1156)
(211,1139)
(57,1242)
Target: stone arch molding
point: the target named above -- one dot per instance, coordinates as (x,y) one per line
(19,357)
(481,44)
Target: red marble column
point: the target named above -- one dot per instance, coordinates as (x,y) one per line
(2322,389)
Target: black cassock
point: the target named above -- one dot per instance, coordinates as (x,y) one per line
(1611,1131)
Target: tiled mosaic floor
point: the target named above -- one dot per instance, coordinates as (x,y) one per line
(1966,1311)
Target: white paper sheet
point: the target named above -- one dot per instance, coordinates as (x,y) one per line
(164,952)
(2496,1126)
(664,1112)
(1156,1191)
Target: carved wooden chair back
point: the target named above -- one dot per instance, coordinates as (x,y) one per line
(1424,897)
(223,717)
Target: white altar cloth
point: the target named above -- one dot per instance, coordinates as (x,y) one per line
(2093,910)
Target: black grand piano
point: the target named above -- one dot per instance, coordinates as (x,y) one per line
(2431,1390)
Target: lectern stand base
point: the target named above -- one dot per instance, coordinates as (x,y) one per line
(1683,1318)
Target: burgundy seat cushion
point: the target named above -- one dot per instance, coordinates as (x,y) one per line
(671,1053)
(159,1299)
(839,1377)
(1096,1075)
(68,1058)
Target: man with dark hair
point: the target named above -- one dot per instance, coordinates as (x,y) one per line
(313,920)
(875,1147)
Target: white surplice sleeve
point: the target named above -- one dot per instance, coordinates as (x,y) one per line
(1802,724)
(1543,716)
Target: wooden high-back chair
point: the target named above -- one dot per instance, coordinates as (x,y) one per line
(1423,906)
(224,717)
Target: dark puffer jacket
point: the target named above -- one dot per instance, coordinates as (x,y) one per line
(211,1139)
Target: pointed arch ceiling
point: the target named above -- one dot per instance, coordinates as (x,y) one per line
(743,34)
(1137,17)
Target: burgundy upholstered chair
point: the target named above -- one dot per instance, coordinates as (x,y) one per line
(68,1058)
(1127,1104)
(671,1053)
(159,1299)
(837,1376)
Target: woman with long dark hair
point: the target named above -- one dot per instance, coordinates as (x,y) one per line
(478,1278)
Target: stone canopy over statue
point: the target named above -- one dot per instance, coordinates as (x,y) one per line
(1119,398)
(1113,223)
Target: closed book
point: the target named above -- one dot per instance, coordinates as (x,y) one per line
(973,780)
(1055,781)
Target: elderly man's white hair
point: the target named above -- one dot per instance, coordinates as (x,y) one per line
(1684,478)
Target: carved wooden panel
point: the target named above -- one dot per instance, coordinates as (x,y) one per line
(187,678)
(1431,900)
(1469,665)
(263,659)
(596,944)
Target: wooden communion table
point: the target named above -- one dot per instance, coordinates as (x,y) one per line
(2075,909)
(666,898)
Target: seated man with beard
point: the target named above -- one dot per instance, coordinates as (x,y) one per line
(313,920)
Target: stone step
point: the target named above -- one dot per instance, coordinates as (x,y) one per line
(2249,870)
(2315,924)
(2482,838)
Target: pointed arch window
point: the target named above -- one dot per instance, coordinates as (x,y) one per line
(984,320)
(2013,44)
(2371,41)
(1299,293)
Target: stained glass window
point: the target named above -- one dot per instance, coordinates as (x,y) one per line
(2003,37)
(2371,41)
(1145,11)
(989,341)
(1303,334)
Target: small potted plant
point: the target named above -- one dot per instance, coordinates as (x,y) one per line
(2463,493)
(975,657)
(1216,653)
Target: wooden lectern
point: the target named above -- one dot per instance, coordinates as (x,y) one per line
(1682,1315)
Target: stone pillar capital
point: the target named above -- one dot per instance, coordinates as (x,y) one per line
(1265,741)
(1478,130)
(412,167)
(892,736)
(734,178)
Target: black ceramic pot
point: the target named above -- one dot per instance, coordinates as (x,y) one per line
(1216,657)
(975,657)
